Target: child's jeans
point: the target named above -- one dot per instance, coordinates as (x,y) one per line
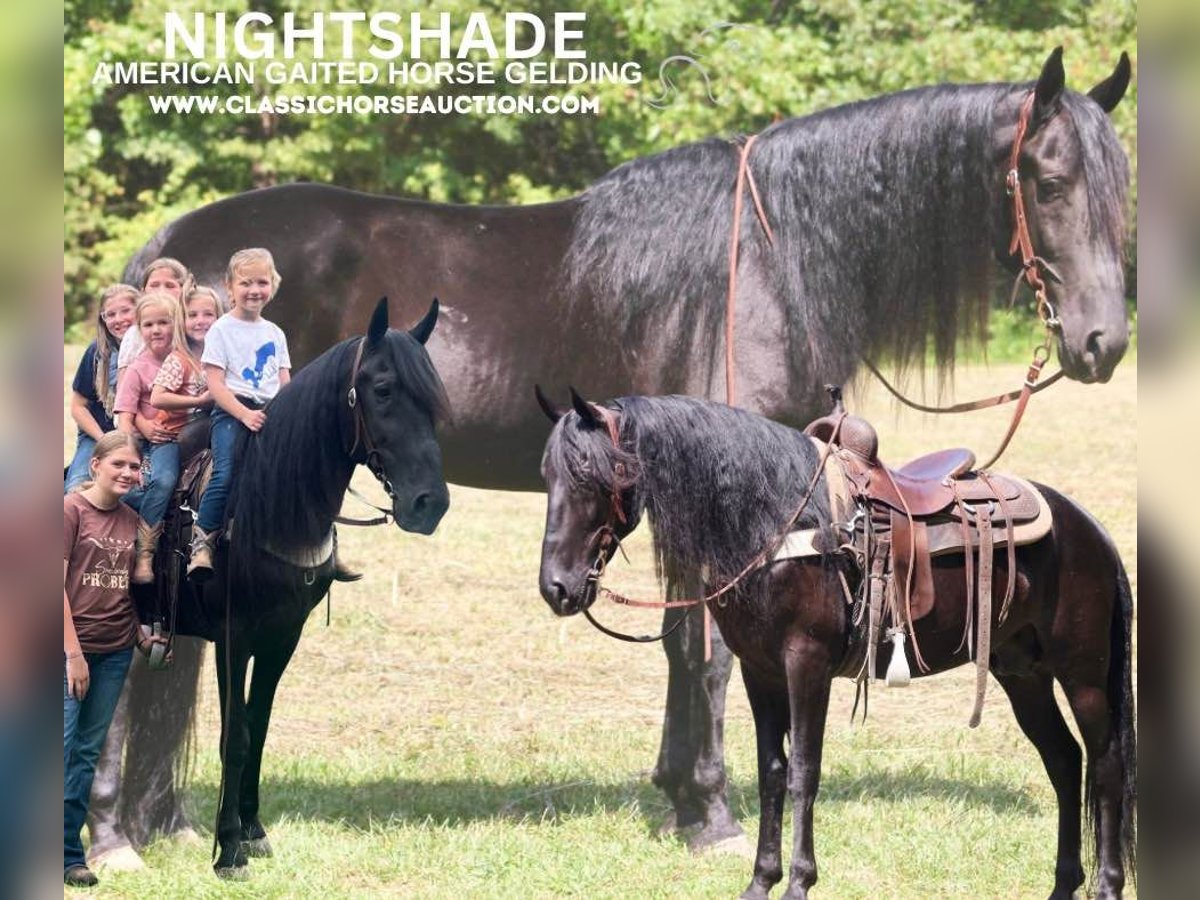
(151,499)
(225,432)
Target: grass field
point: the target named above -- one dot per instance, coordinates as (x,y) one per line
(447,736)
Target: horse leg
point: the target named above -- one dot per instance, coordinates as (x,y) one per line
(232,661)
(109,841)
(770,709)
(691,760)
(809,675)
(1105,779)
(1032,697)
(163,701)
(269,664)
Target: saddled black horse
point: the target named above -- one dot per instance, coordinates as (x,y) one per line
(719,485)
(888,216)
(370,401)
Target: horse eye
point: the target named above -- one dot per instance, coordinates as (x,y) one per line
(383,391)
(1051,189)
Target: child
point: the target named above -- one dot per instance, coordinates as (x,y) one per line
(246,362)
(157,317)
(180,389)
(164,274)
(95,384)
(100,626)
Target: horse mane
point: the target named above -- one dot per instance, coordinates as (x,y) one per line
(291,476)
(867,202)
(705,512)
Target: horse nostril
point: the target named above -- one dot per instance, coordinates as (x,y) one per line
(560,593)
(1095,345)
(421,503)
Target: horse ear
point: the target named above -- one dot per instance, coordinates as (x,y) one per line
(424,328)
(586,411)
(379,322)
(1049,86)
(553,413)
(1109,92)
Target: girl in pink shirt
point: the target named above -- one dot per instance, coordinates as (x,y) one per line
(157,317)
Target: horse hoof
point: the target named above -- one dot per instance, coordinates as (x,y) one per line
(232,873)
(735,845)
(118,859)
(258,848)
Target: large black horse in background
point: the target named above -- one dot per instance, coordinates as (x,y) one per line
(889,217)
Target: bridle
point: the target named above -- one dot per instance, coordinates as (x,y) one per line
(1032,265)
(373,461)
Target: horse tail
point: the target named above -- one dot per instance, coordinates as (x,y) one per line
(1124,718)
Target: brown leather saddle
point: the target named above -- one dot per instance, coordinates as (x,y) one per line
(904,517)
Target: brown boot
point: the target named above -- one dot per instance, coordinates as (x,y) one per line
(200,566)
(342,572)
(147,544)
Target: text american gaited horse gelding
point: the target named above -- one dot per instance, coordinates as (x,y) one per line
(888,216)
(719,485)
(370,401)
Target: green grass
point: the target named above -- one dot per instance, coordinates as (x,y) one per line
(447,736)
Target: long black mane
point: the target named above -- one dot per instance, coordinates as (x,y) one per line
(291,476)
(885,215)
(717,483)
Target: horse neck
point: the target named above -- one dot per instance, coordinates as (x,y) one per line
(887,214)
(300,491)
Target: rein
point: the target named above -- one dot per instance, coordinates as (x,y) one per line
(608,536)
(362,435)
(1031,270)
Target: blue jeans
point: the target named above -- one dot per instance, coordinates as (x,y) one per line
(78,472)
(225,431)
(152,497)
(85,725)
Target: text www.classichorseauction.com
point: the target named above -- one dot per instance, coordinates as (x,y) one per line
(212,52)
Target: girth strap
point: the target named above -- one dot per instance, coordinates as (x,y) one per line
(983,646)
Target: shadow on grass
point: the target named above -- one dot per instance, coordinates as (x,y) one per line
(458,802)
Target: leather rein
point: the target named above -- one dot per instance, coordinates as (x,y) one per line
(362,435)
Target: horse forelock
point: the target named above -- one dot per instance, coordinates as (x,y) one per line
(1106,170)
(417,375)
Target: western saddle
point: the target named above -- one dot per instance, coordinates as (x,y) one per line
(893,521)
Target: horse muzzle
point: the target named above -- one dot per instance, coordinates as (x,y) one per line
(422,513)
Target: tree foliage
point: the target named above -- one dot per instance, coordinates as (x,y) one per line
(127,170)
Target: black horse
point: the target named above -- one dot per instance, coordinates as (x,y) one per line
(370,401)
(888,216)
(719,484)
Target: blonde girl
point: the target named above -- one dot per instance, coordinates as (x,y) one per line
(164,274)
(246,362)
(158,315)
(180,389)
(94,388)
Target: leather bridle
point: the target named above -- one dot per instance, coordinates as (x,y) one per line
(373,461)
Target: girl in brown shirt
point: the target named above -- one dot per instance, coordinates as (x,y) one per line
(100,626)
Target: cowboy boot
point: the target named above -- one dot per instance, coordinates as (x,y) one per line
(200,565)
(341,571)
(147,544)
